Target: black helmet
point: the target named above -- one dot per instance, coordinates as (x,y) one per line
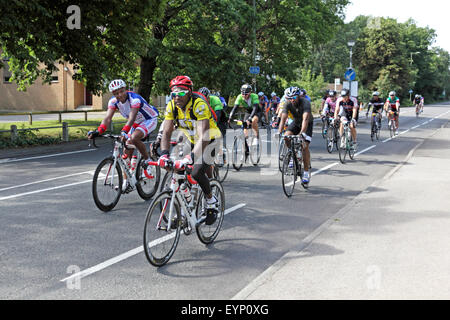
(204,91)
(246,88)
(332,93)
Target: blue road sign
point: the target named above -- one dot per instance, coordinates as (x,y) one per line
(254,70)
(350,75)
(410,91)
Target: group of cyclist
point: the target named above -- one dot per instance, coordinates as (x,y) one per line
(200,115)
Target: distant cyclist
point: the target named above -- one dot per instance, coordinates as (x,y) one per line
(273,104)
(376,103)
(250,102)
(300,109)
(418,102)
(304,94)
(263,104)
(329,106)
(393,104)
(347,109)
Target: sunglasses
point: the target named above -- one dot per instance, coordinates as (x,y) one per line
(179,94)
(293,98)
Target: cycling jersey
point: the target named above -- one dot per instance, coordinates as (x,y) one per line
(377,104)
(275,101)
(417,100)
(297,108)
(247,104)
(392,102)
(346,107)
(215,103)
(263,100)
(330,105)
(187,124)
(224,103)
(134,100)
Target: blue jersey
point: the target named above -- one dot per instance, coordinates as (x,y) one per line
(222,99)
(134,100)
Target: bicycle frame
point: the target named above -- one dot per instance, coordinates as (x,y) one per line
(117,158)
(175,188)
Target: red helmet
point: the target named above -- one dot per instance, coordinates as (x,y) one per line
(181,81)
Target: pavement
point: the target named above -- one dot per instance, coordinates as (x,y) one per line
(397,249)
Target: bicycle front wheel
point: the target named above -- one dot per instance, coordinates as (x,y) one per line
(207,233)
(282,149)
(255,150)
(238,153)
(330,136)
(107,184)
(288,174)
(222,163)
(147,184)
(160,242)
(343,148)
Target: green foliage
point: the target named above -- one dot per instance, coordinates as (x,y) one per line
(35,35)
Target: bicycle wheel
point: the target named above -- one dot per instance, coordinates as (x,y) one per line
(288,174)
(391,128)
(147,185)
(107,184)
(238,153)
(159,241)
(337,138)
(373,130)
(208,233)
(351,149)
(282,149)
(222,164)
(378,130)
(330,141)
(255,150)
(343,148)
(324,128)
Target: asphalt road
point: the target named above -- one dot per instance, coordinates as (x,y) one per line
(51,229)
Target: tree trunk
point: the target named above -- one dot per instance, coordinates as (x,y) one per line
(148,66)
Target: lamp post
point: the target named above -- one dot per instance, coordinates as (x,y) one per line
(350,44)
(410,59)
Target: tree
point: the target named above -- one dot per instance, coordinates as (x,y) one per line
(103,45)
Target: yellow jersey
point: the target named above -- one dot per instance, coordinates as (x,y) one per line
(187,120)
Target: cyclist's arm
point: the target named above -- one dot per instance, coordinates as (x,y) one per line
(107,120)
(255,107)
(232,111)
(283,119)
(131,118)
(305,122)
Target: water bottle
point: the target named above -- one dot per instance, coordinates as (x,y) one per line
(127,160)
(133,163)
(186,192)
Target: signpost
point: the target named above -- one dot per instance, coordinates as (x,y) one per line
(254,70)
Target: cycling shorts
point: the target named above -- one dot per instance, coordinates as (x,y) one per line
(146,126)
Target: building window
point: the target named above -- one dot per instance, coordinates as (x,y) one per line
(6,71)
(55,76)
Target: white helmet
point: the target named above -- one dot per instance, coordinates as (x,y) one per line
(273,94)
(291,92)
(116,84)
(260,93)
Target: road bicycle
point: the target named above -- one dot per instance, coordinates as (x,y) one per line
(107,183)
(346,144)
(180,208)
(292,165)
(242,150)
(333,136)
(418,109)
(375,128)
(391,123)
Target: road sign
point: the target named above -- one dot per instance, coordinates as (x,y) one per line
(350,74)
(353,89)
(410,91)
(254,70)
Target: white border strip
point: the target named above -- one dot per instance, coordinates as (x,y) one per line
(9,160)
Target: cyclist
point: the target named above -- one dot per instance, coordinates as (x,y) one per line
(347,109)
(263,104)
(303,93)
(418,102)
(393,104)
(250,102)
(377,103)
(300,109)
(329,106)
(194,118)
(142,118)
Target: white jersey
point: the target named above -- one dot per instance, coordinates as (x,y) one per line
(134,100)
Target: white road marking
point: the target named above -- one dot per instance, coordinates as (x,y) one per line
(40,157)
(131,253)
(46,180)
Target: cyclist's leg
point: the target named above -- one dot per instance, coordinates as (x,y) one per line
(140,133)
(306,154)
(255,125)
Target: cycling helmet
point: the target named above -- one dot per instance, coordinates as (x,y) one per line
(332,93)
(376,93)
(303,92)
(204,91)
(181,81)
(273,94)
(260,93)
(246,88)
(392,93)
(291,92)
(116,84)
(417,96)
(345,93)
